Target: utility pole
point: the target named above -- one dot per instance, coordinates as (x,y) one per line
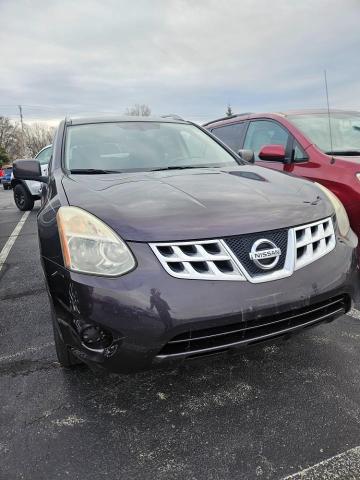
(22,131)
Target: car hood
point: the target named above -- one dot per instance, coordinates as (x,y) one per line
(197,204)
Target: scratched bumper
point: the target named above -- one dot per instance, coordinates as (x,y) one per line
(147,308)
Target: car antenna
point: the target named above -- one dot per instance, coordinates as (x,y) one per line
(329,118)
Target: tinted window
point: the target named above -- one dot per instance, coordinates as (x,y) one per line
(230,135)
(44,156)
(264,132)
(132,146)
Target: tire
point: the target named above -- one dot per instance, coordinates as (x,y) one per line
(22,198)
(5,187)
(65,357)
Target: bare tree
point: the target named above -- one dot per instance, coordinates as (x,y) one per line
(17,143)
(37,136)
(138,110)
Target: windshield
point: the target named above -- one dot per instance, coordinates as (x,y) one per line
(345,130)
(141,146)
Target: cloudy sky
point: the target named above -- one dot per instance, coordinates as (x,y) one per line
(178,56)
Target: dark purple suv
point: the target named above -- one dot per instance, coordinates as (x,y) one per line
(159,243)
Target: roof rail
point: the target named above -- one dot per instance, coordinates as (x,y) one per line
(228,117)
(173,116)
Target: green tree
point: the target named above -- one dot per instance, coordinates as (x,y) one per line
(10,139)
(229,112)
(4,158)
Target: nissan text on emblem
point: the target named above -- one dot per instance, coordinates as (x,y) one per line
(265,254)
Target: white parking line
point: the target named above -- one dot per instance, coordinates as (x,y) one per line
(345,466)
(11,240)
(354,313)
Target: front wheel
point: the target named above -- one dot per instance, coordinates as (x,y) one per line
(5,187)
(22,197)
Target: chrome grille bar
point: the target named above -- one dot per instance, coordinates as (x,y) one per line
(313,241)
(215,260)
(201,260)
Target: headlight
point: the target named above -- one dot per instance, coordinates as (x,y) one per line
(90,246)
(358,176)
(341,215)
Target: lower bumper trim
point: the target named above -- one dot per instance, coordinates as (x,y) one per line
(197,343)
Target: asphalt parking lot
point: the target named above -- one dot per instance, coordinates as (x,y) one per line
(287,408)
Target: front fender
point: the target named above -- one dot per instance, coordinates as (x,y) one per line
(32,187)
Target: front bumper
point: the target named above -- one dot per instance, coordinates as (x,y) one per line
(149,314)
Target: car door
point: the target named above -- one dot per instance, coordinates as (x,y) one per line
(268,132)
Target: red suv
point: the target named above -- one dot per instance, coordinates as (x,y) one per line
(300,143)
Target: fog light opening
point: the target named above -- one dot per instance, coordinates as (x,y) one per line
(95,337)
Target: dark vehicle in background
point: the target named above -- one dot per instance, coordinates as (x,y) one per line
(26,192)
(300,143)
(159,243)
(6,179)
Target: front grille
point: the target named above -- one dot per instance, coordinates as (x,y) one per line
(222,337)
(232,258)
(241,246)
(198,260)
(313,241)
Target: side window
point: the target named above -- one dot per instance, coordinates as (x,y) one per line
(44,156)
(298,153)
(231,135)
(264,132)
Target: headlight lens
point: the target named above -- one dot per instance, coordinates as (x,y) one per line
(341,215)
(90,246)
(358,176)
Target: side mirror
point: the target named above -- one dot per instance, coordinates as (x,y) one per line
(247,155)
(28,170)
(272,153)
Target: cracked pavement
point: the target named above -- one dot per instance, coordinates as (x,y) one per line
(266,413)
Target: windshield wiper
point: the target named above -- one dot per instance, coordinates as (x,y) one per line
(179,167)
(349,152)
(92,171)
